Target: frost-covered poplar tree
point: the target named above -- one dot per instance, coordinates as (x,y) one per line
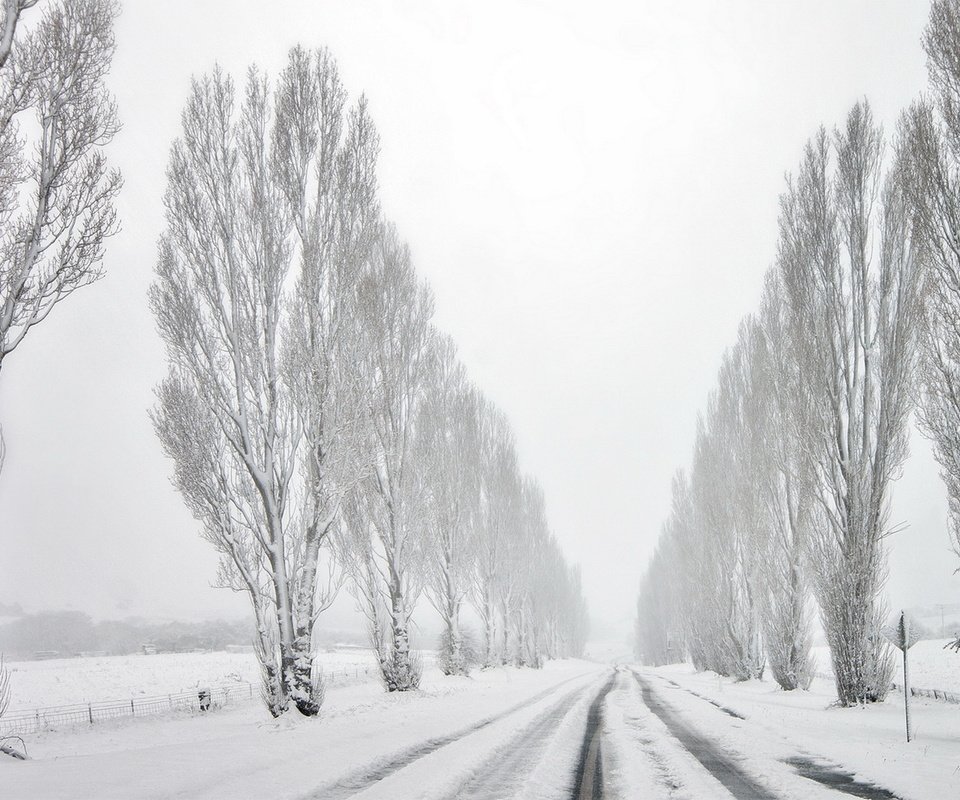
(931,152)
(449,440)
(499,501)
(658,623)
(851,275)
(575,616)
(512,572)
(724,518)
(386,545)
(696,575)
(528,554)
(257,410)
(543,612)
(56,191)
(327,159)
(735,413)
(784,490)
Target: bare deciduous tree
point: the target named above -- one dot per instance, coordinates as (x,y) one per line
(56,191)
(850,274)
(724,518)
(329,185)
(257,412)
(384,546)
(659,602)
(499,503)
(784,490)
(448,442)
(931,153)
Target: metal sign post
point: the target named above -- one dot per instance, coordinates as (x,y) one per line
(905,637)
(901,637)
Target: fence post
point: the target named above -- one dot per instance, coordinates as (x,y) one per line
(133,712)
(90,712)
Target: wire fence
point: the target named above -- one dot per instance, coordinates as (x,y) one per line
(195,701)
(54,717)
(933,694)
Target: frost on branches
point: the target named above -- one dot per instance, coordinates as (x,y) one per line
(851,275)
(321,429)
(56,191)
(933,147)
(258,410)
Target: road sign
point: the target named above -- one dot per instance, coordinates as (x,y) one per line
(903,636)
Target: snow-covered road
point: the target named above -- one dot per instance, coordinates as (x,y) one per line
(706,751)
(574,730)
(800,744)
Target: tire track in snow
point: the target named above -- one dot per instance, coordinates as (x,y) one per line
(734,779)
(814,769)
(362,779)
(502,775)
(589,778)
(728,711)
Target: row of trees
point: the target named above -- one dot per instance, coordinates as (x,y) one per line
(788,491)
(321,428)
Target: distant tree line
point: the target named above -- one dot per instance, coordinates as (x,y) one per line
(70,633)
(787,495)
(322,429)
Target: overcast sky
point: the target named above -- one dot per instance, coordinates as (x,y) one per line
(590,189)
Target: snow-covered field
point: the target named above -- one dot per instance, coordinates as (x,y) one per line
(65,681)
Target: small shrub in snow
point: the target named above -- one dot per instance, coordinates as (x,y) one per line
(457,655)
(401,674)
